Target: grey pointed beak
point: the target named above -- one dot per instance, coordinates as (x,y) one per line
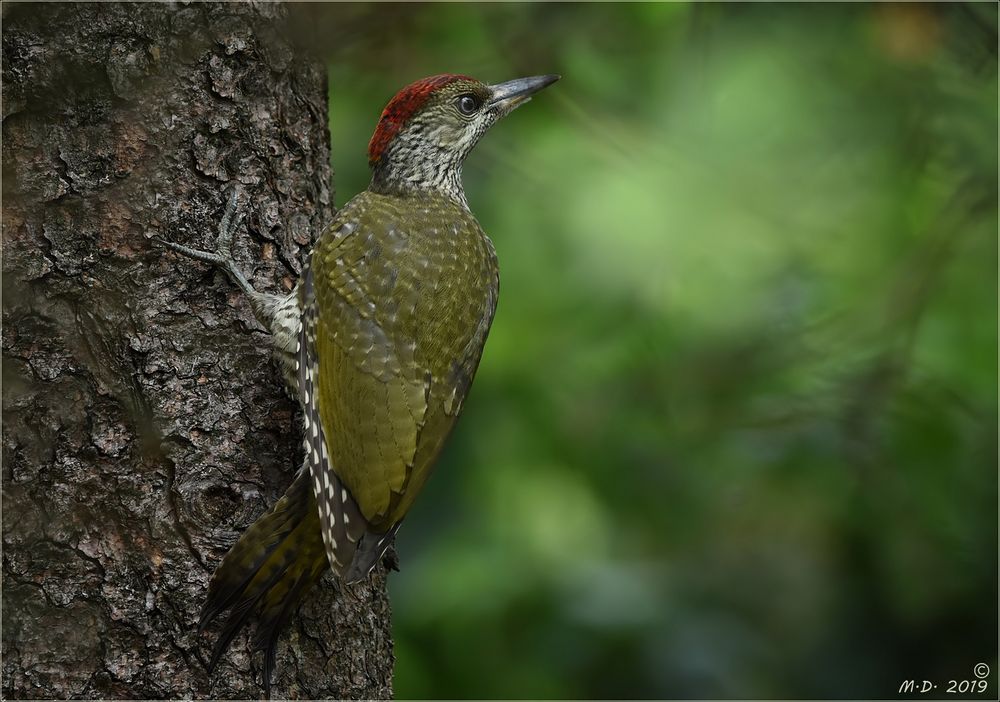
(513,93)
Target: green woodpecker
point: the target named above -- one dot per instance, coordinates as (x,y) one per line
(380,340)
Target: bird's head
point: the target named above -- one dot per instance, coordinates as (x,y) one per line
(430,126)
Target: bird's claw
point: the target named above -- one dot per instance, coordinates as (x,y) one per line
(216,258)
(231,221)
(222,256)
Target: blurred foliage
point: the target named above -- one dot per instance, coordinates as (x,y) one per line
(735,429)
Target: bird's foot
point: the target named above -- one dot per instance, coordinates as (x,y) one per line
(223,254)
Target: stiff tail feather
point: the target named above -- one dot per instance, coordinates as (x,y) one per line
(266,574)
(275,563)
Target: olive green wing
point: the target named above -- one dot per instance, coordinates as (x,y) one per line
(446,395)
(364,398)
(341,523)
(389,343)
(372,410)
(372,393)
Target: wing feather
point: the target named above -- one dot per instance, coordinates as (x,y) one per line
(400,320)
(335,503)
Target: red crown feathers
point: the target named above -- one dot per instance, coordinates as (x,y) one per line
(403,106)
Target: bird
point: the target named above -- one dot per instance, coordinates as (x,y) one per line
(380,340)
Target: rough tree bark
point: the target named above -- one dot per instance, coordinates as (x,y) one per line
(145,425)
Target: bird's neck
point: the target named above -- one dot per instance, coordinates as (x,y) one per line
(417,171)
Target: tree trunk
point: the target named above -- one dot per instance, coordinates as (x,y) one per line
(145,424)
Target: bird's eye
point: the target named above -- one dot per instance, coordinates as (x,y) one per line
(467,104)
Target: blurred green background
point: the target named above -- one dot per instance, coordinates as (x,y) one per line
(735,430)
